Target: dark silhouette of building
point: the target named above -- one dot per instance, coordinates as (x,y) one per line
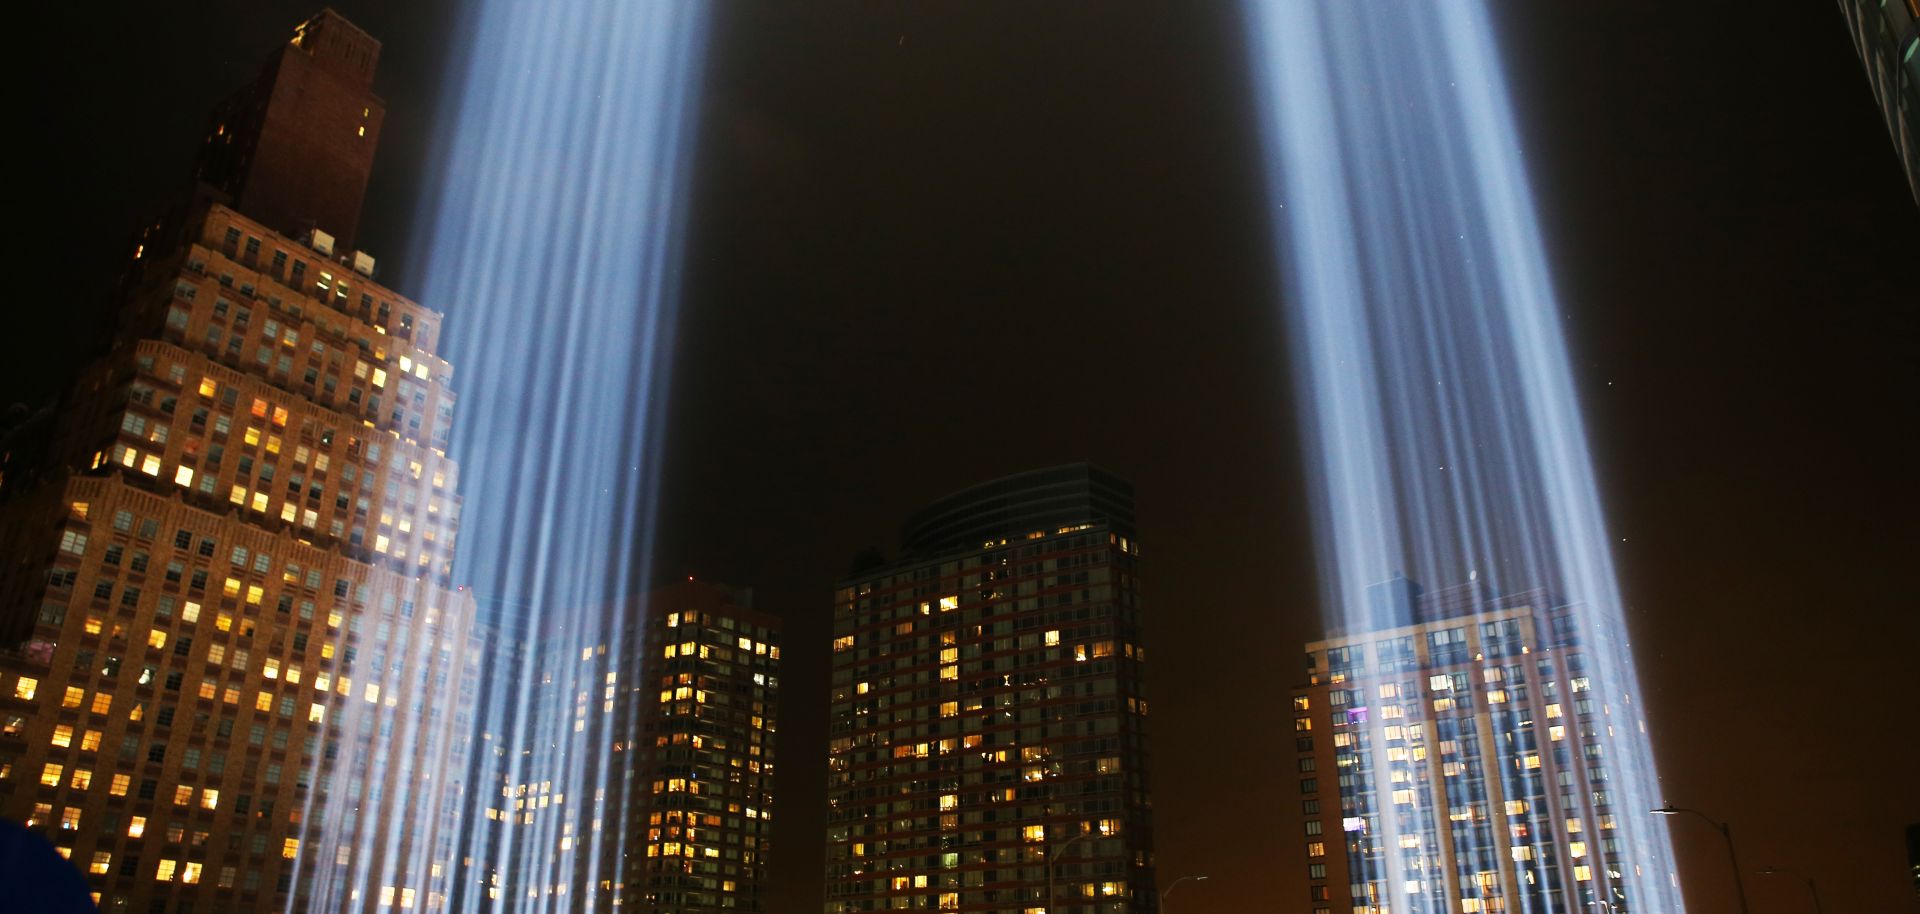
(1886,34)
(294,148)
(988,732)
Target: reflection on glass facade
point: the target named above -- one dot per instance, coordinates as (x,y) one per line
(1886,33)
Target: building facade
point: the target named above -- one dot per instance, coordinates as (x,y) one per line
(1455,750)
(239,659)
(988,726)
(701,826)
(637,773)
(294,148)
(1886,35)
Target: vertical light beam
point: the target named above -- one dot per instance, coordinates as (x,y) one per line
(553,242)
(1444,434)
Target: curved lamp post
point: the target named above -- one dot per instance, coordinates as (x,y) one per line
(1176,884)
(1726,832)
(1055,855)
(1812,889)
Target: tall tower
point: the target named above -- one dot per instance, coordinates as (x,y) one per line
(676,817)
(294,148)
(700,821)
(1453,747)
(238,653)
(988,727)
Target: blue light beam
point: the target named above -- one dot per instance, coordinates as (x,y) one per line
(558,248)
(1444,435)
(553,242)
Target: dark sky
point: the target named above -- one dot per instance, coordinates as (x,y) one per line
(937,243)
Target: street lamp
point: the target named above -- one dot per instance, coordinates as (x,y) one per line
(1175,885)
(1055,855)
(1812,889)
(1726,832)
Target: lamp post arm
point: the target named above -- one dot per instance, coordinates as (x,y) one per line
(1194,877)
(1739,883)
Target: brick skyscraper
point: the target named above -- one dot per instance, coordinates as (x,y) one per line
(294,148)
(989,709)
(239,658)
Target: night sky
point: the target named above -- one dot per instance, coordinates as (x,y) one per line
(938,243)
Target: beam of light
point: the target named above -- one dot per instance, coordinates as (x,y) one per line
(1446,441)
(553,243)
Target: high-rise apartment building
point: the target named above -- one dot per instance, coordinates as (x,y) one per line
(1886,35)
(240,666)
(988,728)
(1454,750)
(637,773)
(701,823)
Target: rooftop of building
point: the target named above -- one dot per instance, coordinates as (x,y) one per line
(1399,602)
(1010,506)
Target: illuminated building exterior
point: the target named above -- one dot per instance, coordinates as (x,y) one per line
(1454,747)
(989,709)
(700,829)
(683,824)
(1886,35)
(227,577)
